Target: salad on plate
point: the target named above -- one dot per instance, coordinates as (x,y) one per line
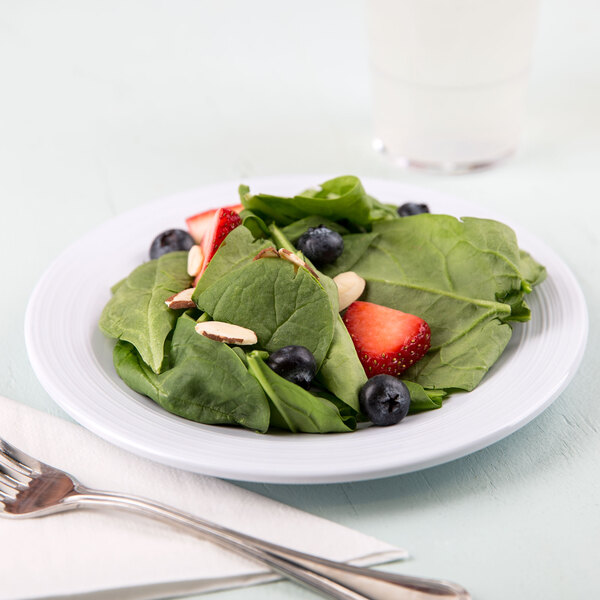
(317,312)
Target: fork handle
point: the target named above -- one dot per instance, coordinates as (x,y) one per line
(333,579)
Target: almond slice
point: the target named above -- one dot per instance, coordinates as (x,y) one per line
(350,288)
(226,332)
(181,300)
(195,260)
(296,261)
(269,252)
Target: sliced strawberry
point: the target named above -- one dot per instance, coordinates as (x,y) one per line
(199,224)
(387,341)
(223,222)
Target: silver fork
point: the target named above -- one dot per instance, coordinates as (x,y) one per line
(31,488)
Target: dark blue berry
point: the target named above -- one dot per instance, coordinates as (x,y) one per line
(171,240)
(384,399)
(294,363)
(411,208)
(321,245)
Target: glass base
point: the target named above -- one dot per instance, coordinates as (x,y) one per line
(443,168)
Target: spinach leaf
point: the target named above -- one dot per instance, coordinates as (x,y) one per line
(355,245)
(458,276)
(292,407)
(349,415)
(533,272)
(116,286)
(336,199)
(137,312)
(281,241)
(294,230)
(281,303)
(342,372)
(237,250)
(421,399)
(134,371)
(206,380)
(254,223)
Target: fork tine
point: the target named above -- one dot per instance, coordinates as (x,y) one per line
(7,492)
(8,489)
(7,479)
(11,479)
(15,472)
(18,460)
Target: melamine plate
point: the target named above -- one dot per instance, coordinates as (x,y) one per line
(73,360)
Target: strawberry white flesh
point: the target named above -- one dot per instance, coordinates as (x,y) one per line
(200,223)
(223,222)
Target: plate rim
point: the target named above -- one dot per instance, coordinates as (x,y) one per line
(78,412)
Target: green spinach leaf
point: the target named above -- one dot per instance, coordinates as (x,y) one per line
(458,276)
(532,271)
(355,245)
(342,198)
(292,407)
(254,223)
(116,286)
(206,380)
(422,399)
(237,250)
(281,303)
(137,312)
(294,230)
(349,415)
(342,372)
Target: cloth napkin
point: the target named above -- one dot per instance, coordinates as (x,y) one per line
(107,554)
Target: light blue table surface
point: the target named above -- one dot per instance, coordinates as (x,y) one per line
(105,106)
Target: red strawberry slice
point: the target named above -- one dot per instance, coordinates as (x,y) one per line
(223,222)
(199,224)
(387,341)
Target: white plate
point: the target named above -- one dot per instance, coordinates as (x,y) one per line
(73,361)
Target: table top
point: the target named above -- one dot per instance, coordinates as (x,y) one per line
(108,105)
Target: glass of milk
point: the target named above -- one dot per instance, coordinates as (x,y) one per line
(449,79)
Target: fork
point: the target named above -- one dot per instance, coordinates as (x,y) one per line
(31,488)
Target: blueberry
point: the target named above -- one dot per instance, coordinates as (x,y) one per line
(171,240)
(384,399)
(294,363)
(321,245)
(411,208)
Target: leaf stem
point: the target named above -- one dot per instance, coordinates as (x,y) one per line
(280,239)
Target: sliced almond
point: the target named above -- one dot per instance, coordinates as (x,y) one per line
(195,260)
(181,300)
(269,252)
(226,332)
(350,288)
(296,261)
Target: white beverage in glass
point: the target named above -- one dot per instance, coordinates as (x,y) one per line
(449,79)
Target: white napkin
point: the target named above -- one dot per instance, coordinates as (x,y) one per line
(115,554)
